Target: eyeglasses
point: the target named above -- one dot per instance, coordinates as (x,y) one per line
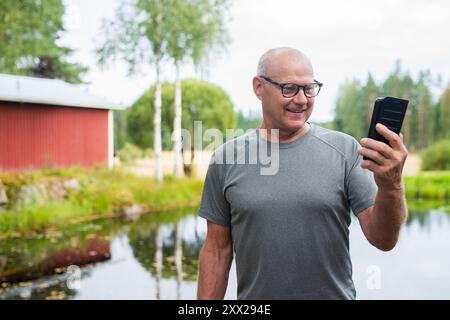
(289,90)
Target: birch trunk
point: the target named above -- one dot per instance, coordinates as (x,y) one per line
(157,128)
(178,170)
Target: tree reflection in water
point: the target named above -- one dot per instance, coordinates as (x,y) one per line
(162,247)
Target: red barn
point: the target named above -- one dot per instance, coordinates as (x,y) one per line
(51,123)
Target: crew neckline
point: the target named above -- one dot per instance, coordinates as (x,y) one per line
(291,143)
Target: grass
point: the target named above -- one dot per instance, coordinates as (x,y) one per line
(103,194)
(429,186)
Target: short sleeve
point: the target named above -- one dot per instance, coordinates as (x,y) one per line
(213,205)
(360,184)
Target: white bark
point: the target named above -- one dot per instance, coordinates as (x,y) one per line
(179,257)
(159,261)
(178,170)
(157,128)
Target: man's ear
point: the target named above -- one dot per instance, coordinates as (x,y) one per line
(257,87)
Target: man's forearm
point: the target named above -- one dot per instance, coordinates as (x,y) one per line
(389,213)
(214,268)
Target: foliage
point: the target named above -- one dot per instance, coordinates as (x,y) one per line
(136,34)
(120,130)
(29,43)
(251,120)
(437,156)
(149,153)
(349,113)
(202,101)
(443,116)
(354,107)
(129,153)
(147,31)
(327,124)
(196,27)
(425,120)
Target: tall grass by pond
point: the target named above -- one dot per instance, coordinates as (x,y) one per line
(106,193)
(102,193)
(428,186)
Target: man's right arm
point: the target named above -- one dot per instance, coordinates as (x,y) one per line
(215,262)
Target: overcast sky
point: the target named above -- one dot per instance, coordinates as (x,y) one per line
(344,39)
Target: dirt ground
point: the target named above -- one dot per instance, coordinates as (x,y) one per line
(146,167)
(412,165)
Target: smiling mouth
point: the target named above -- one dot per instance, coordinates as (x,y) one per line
(295,110)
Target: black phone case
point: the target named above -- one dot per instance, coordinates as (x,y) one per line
(390,112)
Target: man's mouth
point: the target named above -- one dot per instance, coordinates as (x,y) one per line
(296,110)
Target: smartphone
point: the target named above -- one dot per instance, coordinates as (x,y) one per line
(390,112)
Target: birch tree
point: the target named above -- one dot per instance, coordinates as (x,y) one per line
(138,35)
(198,27)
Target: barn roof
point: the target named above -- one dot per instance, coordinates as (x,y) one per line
(51,92)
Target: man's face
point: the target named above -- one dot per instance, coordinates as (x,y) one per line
(287,114)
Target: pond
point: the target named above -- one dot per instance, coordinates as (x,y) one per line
(156,257)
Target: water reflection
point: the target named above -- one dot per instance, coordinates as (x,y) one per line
(166,245)
(154,257)
(49,253)
(419,211)
(417,268)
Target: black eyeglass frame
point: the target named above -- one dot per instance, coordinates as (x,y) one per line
(282,85)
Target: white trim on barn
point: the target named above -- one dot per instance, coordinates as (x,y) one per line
(110,139)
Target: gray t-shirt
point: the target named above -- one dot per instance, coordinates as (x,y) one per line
(290,229)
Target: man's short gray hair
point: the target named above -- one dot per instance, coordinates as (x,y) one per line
(265,58)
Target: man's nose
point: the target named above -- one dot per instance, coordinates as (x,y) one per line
(300,97)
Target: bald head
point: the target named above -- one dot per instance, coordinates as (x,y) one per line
(273,57)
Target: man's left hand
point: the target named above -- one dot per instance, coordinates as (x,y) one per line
(388,161)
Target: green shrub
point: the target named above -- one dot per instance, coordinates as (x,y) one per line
(437,156)
(148,153)
(129,153)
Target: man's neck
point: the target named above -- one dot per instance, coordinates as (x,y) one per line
(283,136)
